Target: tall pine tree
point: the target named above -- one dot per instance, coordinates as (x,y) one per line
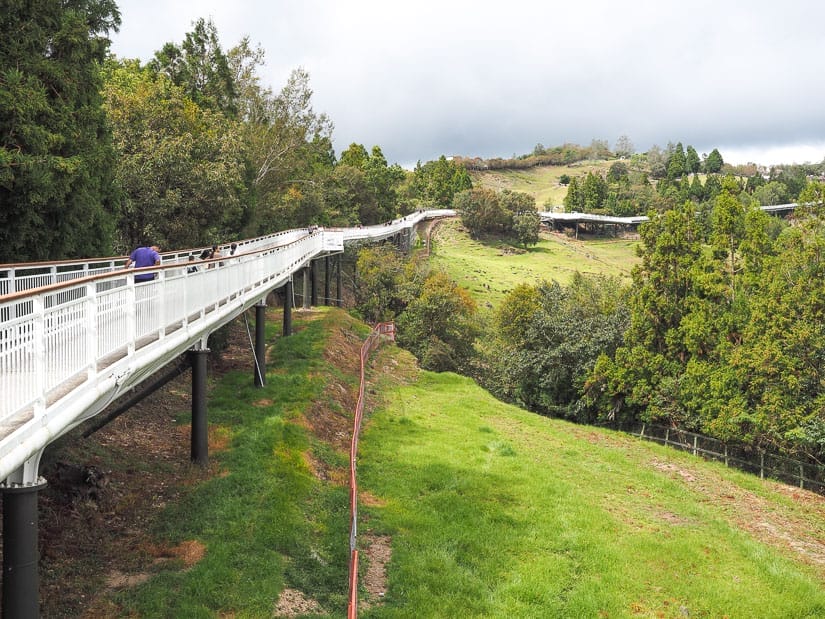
(56,197)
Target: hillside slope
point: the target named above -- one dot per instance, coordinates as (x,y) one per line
(469,507)
(497,512)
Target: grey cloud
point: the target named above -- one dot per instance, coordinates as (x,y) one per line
(474,78)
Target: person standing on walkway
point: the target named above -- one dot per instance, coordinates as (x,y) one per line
(144,257)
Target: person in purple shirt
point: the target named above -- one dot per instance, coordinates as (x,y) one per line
(144,257)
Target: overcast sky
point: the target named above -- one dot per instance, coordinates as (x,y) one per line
(424,78)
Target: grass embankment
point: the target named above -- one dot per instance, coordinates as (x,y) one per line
(491,269)
(266,522)
(487,510)
(496,512)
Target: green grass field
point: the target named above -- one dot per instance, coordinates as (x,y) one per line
(496,512)
(490,269)
(485,510)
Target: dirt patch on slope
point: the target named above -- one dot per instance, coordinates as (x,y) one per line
(788,529)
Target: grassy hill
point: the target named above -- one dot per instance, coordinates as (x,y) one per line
(469,507)
(490,269)
(542,182)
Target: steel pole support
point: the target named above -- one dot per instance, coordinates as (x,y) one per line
(338,280)
(200,428)
(314,280)
(260,344)
(21,580)
(307,272)
(288,308)
(326,281)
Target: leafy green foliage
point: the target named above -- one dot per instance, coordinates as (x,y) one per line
(180,166)
(526,227)
(438,324)
(56,191)
(379,283)
(200,68)
(725,338)
(435,316)
(550,336)
(484,211)
(438,182)
(714,162)
(372,184)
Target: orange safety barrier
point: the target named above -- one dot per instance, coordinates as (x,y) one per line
(386,329)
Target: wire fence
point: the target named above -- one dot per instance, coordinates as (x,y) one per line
(806,475)
(370,344)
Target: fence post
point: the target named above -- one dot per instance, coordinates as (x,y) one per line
(726,455)
(801,477)
(642,435)
(695,442)
(761,465)
(667,436)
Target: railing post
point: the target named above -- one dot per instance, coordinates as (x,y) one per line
(39,347)
(131,314)
(160,325)
(91,329)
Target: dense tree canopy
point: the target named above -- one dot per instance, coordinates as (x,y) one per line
(725,336)
(180,166)
(437,182)
(56,192)
(549,337)
(509,213)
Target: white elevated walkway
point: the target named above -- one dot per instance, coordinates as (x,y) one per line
(76,335)
(576,217)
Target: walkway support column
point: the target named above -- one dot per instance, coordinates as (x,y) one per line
(314,279)
(21,579)
(200,428)
(326,281)
(338,280)
(260,344)
(306,287)
(288,308)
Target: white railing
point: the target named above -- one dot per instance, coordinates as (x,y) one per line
(28,276)
(68,349)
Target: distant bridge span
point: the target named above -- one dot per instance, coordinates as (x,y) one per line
(575,218)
